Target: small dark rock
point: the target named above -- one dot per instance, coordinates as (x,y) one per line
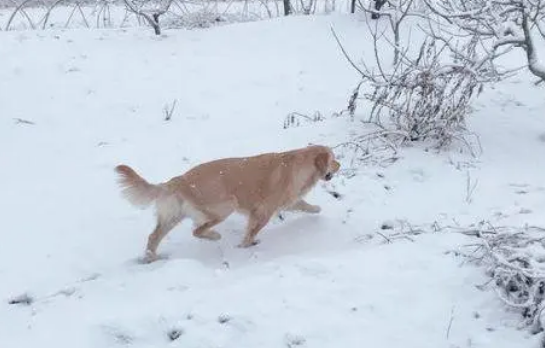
(335,194)
(23,299)
(224,318)
(174,334)
(387,226)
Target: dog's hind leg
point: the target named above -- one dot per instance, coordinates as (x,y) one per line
(210,217)
(204,231)
(162,228)
(169,214)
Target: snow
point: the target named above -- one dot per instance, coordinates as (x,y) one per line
(96,99)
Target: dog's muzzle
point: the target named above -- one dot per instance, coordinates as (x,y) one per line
(328,176)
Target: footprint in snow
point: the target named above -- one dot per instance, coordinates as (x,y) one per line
(418,174)
(117,335)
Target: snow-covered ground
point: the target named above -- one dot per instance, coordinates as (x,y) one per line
(96,99)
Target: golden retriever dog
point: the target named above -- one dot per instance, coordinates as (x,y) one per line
(258,187)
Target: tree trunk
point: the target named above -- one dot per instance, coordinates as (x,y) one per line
(156,26)
(378,6)
(287,7)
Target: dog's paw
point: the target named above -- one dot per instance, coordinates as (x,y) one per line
(314,209)
(213,235)
(149,257)
(209,235)
(247,244)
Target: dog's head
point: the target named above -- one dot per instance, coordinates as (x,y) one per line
(326,163)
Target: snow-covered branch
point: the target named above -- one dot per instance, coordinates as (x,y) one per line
(496,24)
(511,255)
(531,55)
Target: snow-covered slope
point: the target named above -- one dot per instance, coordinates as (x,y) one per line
(96,99)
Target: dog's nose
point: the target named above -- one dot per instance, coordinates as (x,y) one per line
(328,176)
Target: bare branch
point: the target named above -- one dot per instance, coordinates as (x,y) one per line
(345,53)
(169,111)
(23,121)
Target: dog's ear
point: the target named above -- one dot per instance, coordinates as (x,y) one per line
(322,162)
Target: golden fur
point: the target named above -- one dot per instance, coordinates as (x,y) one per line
(258,187)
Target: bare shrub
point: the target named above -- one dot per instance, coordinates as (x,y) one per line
(424,99)
(427,95)
(421,98)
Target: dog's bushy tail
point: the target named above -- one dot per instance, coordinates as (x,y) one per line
(135,188)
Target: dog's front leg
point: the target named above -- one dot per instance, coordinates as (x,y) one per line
(302,205)
(256,221)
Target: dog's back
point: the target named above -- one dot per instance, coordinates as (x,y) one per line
(272,179)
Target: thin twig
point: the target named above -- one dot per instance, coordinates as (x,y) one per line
(345,53)
(450,322)
(23,121)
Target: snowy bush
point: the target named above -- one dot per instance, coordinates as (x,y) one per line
(419,98)
(423,99)
(515,260)
(513,257)
(427,95)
